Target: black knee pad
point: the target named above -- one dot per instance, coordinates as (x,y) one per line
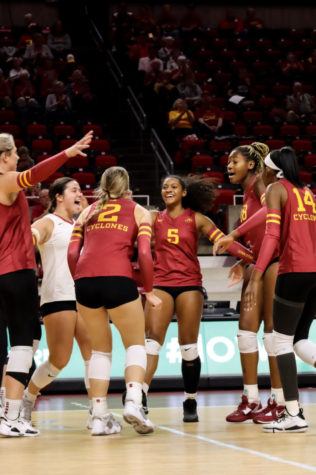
(191,375)
(286,315)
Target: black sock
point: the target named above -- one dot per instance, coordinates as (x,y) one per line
(191,375)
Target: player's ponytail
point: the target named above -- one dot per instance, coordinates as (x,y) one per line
(285,159)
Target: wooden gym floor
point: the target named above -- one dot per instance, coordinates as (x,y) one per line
(210,446)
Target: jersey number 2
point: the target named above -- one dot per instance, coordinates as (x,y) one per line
(109,213)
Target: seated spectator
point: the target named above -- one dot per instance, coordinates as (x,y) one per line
(5,91)
(239,100)
(140,49)
(25,95)
(230,23)
(58,104)
(25,161)
(122,27)
(167,22)
(41,209)
(184,70)
(145,64)
(292,68)
(172,63)
(30,28)
(252,22)
(300,106)
(59,41)
(16,69)
(166,91)
(154,73)
(181,119)
(310,66)
(167,45)
(190,91)
(46,76)
(144,22)
(209,118)
(191,22)
(37,51)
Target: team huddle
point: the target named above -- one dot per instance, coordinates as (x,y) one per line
(88,281)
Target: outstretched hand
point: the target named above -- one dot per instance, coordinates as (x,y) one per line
(222,244)
(236,273)
(82,144)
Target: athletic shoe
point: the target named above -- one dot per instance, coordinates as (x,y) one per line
(271,413)
(246,410)
(27,407)
(17,428)
(144,401)
(105,425)
(89,420)
(189,411)
(288,423)
(136,416)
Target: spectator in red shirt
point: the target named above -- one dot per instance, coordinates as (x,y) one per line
(209,118)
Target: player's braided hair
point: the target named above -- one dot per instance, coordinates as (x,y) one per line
(114,183)
(200,192)
(257,151)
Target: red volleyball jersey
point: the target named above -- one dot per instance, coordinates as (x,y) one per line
(175,262)
(251,204)
(16,244)
(298,230)
(109,238)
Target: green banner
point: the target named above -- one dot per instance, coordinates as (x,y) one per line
(217,348)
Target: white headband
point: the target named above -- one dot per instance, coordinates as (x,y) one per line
(268,161)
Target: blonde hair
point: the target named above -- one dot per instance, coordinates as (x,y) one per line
(6,143)
(114,183)
(257,152)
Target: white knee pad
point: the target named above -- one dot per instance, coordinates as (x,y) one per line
(247,341)
(282,343)
(268,341)
(20,359)
(152,347)
(136,356)
(189,352)
(86,377)
(100,365)
(45,374)
(306,350)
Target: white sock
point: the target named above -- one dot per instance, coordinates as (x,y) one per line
(190,396)
(29,396)
(277,394)
(134,392)
(145,388)
(2,395)
(99,406)
(12,408)
(252,393)
(293,407)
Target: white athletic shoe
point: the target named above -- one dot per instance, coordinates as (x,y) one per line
(105,425)
(135,415)
(17,428)
(89,423)
(287,423)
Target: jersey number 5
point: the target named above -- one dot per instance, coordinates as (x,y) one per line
(109,213)
(173,236)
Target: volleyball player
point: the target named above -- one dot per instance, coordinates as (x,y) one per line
(58,301)
(244,165)
(105,287)
(18,287)
(177,277)
(291,227)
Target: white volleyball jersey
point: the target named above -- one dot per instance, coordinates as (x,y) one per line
(57,283)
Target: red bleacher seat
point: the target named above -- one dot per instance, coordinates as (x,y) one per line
(224,160)
(84,178)
(281,90)
(7,115)
(267,102)
(105,161)
(289,131)
(252,116)
(77,162)
(240,130)
(42,145)
(192,144)
(245,142)
(53,177)
(89,194)
(97,129)
(306,177)
(18,142)
(310,130)
(229,116)
(217,177)
(224,197)
(201,162)
(301,145)
(100,145)
(36,130)
(212,66)
(64,130)
(310,160)
(263,130)
(220,145)
(66,143)
(12,129)
(274,144)
(42,157)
